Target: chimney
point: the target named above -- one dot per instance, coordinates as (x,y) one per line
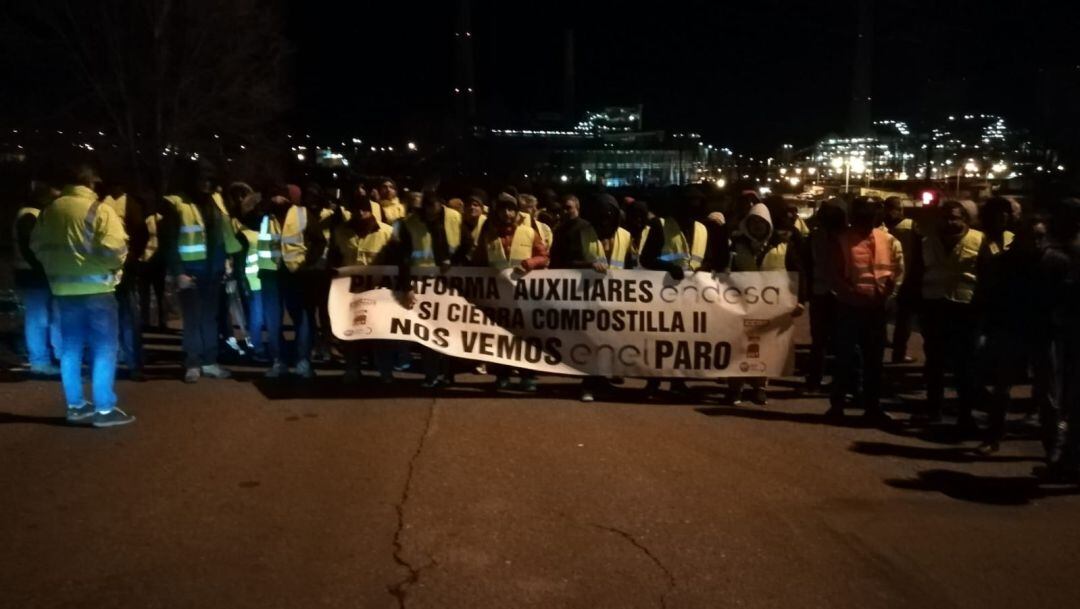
(862,77)
(464,87)
(568,111)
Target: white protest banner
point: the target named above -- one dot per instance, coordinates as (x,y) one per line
(579,322)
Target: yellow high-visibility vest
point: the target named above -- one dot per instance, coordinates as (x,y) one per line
(743,259)
(229,227)
(951,275)
(191,243)
(251,259)
(546,234)
(676,250)
(119,205)
(20,263)
(152,243)
(1007,240)
(277,243)
(81,244)
(521,248)
(361,251)
(594,247)
(391,210)
(475,232)
(423,255)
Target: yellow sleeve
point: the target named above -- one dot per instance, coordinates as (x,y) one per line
(110,239)
(898,262)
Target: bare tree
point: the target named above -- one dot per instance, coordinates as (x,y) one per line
(168,75)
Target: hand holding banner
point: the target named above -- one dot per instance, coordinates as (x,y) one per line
(622,323)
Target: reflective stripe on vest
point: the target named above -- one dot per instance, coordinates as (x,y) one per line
(278,244)
(423,254)
(677,251)
(20,262)
(951,275)
(869,269)
(192,242)
(594,247)
(251,259)
(268,245)
(521,247)
(743,259)
(75,266)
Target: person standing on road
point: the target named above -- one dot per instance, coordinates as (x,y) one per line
(363,241)
(830,221)
(195,230)
(907,298)
(430,239)
(130,209)
(41,328)
(81,245)
(757,248)
(949,265)
(282,246)
(866,271)
(607,246)
(473,217)
(508,243)
(528,210)
(1009,328)
(678,244)
(1058,302)
(152,270)
(391,208)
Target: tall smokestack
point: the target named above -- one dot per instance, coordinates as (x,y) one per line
(568,76)
(464,88)
(862,78)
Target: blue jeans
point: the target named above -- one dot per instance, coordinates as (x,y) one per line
(283,292)
(130,319)
(256,321)
(40,325)
(89,322)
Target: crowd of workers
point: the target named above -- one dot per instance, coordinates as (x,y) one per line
(993,290)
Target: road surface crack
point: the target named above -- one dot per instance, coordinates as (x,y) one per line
(668,575)
(400,589)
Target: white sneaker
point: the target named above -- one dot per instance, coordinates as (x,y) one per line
(215,371)
(587,396)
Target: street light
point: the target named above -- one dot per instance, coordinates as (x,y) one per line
(970,166)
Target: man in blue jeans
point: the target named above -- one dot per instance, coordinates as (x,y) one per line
(40,325)
(81,245)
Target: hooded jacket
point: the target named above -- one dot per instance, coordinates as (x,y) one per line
(773,253)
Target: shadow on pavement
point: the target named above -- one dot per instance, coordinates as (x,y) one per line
(332,388)
(990,490)
(8,418)
(807,418)
(923,453)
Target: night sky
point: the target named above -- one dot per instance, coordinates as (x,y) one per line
(750,75)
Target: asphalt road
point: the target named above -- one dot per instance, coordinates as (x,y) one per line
(244,493)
